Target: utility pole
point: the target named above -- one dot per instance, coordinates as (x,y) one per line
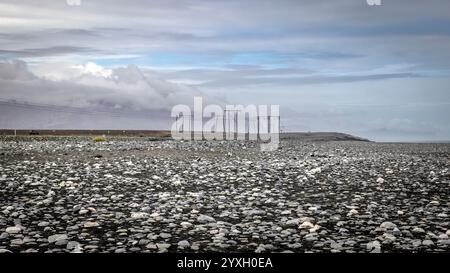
(228,118)
(257,125)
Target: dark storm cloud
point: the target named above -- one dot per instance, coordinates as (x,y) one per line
(49,51)
(90,86)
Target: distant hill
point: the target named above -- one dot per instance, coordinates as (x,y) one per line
(127,133)
(322,136)
(310,136)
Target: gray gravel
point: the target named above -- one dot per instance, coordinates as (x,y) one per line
(67,194)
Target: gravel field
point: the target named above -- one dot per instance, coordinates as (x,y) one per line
(68,194)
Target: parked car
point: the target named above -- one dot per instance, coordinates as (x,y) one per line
(34,133)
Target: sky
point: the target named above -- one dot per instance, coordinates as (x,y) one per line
(379,72)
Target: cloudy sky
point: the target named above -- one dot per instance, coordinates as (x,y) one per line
(381,72)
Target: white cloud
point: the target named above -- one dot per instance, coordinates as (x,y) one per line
(91,87)
(93,69)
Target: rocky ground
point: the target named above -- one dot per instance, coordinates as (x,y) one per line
(68,194)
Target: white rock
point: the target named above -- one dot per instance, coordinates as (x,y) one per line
(389,237)
(388,225)
(186,224)
(151,246)
(306,225)
(352,212)
(315,171)
(13,230)
(165,235)
(83,211)
(183,244)
(261,248)
(43,224)
(314,229)
(73,245)
(91,224)
(139,215)
(293,222)
(372,245)
(57,237)
(418,230)
(380,180)
(205,219)
(163,246)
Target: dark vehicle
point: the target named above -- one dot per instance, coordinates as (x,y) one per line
(34,133)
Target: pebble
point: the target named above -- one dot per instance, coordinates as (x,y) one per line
(186,224)
(388,225)
(43,224)
(165,235)
(183,244)
(57,237)
(13,230)
(372,245)
(205,219)
(352,212)
(91,224)
(156,196)
(418,230)
(306,225)
(380,180)
(152,246)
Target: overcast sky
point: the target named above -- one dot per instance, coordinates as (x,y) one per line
(380,72)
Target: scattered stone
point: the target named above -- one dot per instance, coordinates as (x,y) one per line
(380,180)
(388,226)
(418,230)
(139,215)
(292,223)
(205,219)
(91,224)
(151,246)
(306,225)
(73,245)
(13,230)
(373,245)
(183,244)
(165,235)
(57,237)
(163,246)
(186,224)
(156,196)
(352,212)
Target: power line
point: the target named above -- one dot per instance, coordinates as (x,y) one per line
(72,109)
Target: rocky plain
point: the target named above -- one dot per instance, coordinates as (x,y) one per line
(141,194)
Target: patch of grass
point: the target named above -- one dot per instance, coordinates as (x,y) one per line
(99,139)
